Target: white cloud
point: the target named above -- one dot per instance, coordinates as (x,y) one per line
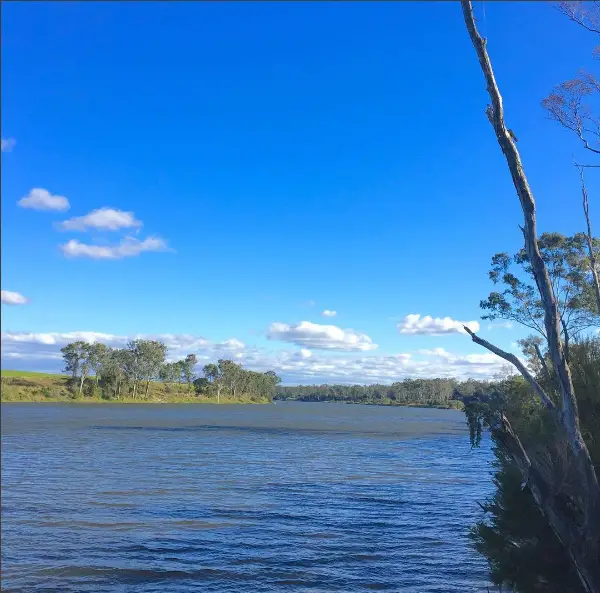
(109,219)
(232,345)
(13,298)
(128,247)
(8,144)
(320,337)
(417,325)
(37,351)
(41,199)
(41,351)
(440,352)
(328,313)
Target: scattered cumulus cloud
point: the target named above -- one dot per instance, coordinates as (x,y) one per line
(8,144)
(320,337)
(41,199)
(41,351)
(128,247)
(417,325)
(13,298)
(109,219)
(328,313)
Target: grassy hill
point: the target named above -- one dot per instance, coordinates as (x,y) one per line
(26,386)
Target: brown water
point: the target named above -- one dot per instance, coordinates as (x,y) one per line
(289,497)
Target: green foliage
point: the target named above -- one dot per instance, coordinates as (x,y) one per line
(119,374)
(522,551)
(231,379)
(568,267)
(421,392)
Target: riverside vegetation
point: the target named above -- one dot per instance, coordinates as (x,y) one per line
(139,373)
(428,393)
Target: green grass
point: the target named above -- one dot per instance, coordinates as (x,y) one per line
(30,374)
(26,386)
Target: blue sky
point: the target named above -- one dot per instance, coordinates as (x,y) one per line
(278,155)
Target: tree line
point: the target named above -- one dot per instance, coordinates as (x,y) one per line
(114,373)
(422,392)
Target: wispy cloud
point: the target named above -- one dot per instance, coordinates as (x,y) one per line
(499,325)
(109,219)
(8,144)
(128,247)
(41,199)
(322,337)
(13,298)
(417,325)
(329,313)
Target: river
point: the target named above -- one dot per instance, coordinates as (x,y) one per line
(288,497)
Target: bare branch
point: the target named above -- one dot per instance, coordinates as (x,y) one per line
(589,239)
(537,388)
(565,104)
(579,13)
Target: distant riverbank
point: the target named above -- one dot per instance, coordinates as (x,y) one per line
(23,386)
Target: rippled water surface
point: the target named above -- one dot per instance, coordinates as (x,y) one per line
(288,497)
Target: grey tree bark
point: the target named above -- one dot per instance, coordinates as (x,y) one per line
(581,538)
(590,238)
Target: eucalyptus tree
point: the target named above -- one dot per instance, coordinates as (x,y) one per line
(77,358)
(576,522)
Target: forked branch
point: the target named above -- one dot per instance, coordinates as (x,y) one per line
(537,388)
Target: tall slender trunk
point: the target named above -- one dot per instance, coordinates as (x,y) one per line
(147,387)
(81,384)
(583,542)
(590,240)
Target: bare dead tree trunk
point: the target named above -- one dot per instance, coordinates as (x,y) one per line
(590,239)
(582,547)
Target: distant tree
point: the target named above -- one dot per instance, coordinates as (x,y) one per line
(71,357)
(213,374)
(77,361)
(98,357)
(169,373)
(231,375)
(150,357)
(187,368)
